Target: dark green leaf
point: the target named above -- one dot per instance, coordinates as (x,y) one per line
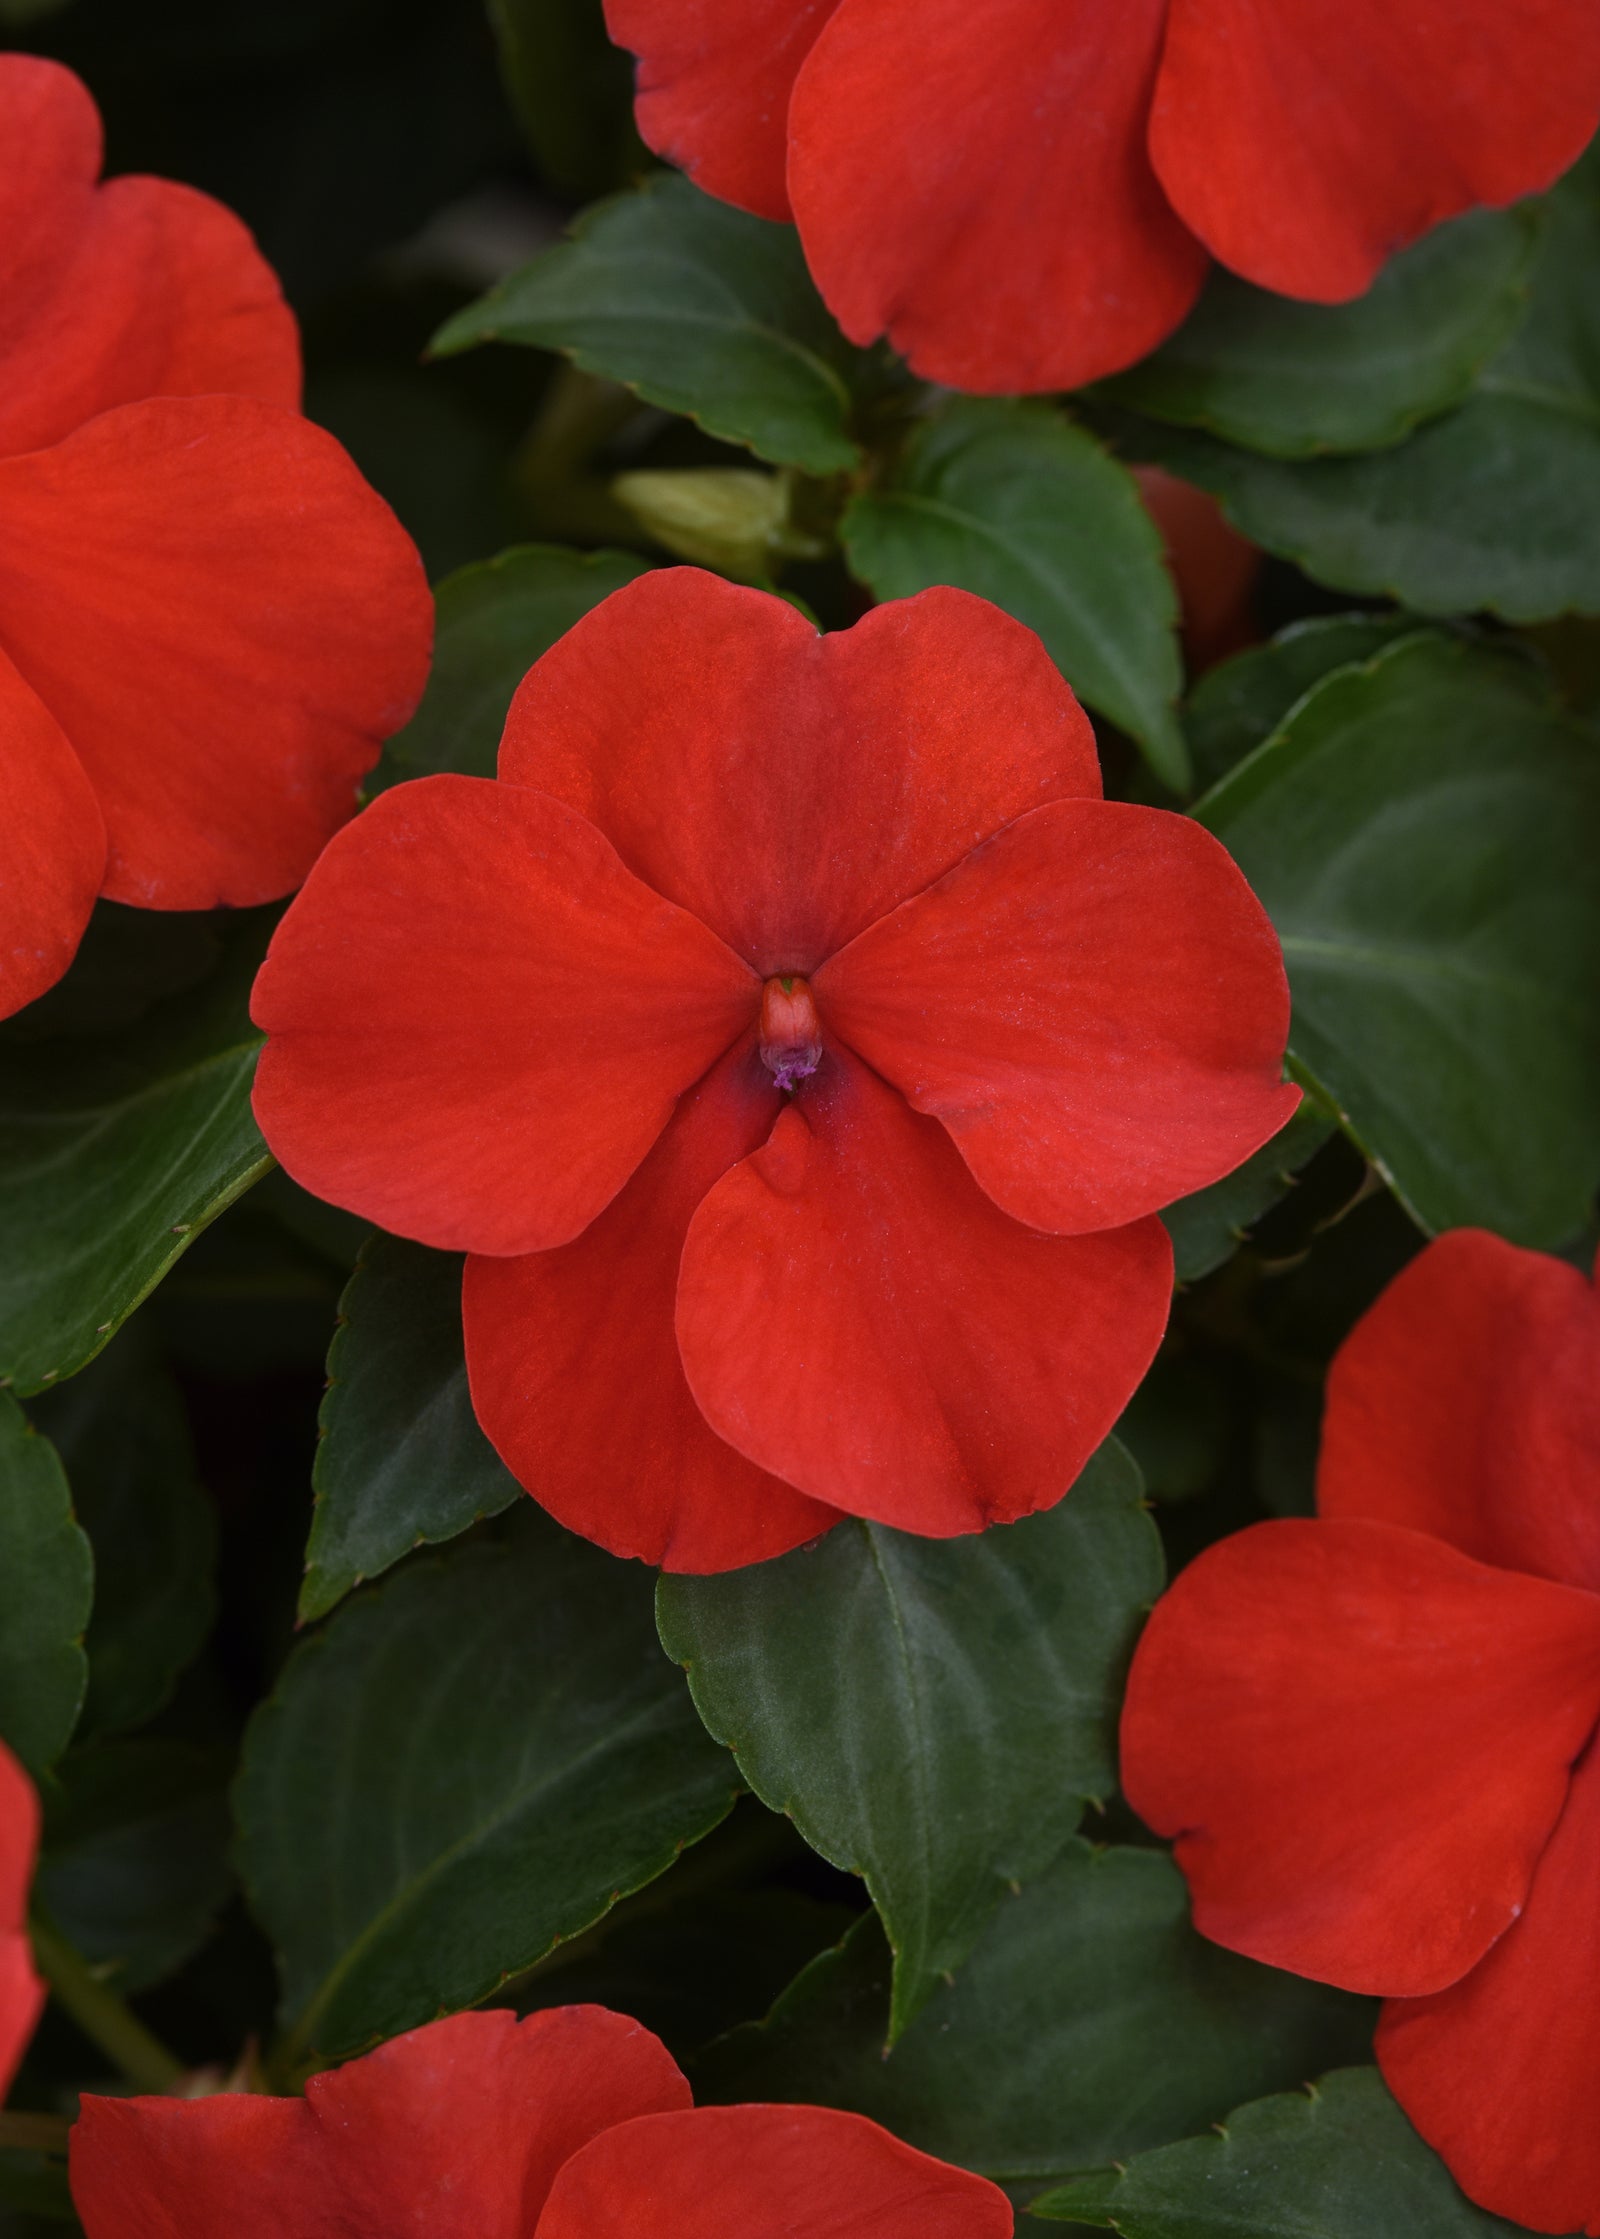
(1292,378)
(114,1154)
(1492,506)
(1090,2021)
(121,1432)
(463,1768)
(134,1868)
(494,621)
(1176,1425)
(1209,1227)
(1238,705)
(1424,832)
(1337,2162)
(698,307)
(932,1714)
(46,1586)
(402,1460)
(1013,502)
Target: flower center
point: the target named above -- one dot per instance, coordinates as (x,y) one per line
(791,1033)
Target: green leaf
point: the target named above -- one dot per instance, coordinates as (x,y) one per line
(121,1432)
(402,1460)
(1337,2162)
(463,1768)
(46,1587)
(494,620)
(1492,506)
(697,307)
(1091,2021)
(932,1714)
(1423,832)
(1290,379)
(1209,1227)
(114,1154)
(134,1866)
(1237,705)
(1013,502)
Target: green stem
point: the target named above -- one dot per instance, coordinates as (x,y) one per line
(102,2015)
(27,2133)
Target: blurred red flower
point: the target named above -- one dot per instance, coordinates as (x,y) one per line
(801,1046)
(573,2124)
(21,1991)
(1026,195)
(208,621)
(1374,1734)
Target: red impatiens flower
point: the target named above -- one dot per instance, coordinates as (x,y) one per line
(573,2124)
(802,1048)
(21,1991)
(208,622)
(1375,1734)
(1024,195)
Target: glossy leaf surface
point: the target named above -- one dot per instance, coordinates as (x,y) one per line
(46,1586)
(466,1766)
(932,1714)
(1422,832)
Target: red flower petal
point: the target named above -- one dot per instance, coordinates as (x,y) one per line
(136,289)
(480,1020)
(1304,143)
(575,1370)
(1361,1740)
(52,846)
(21,1991)
(226,622)
(1466,1403)
(976,185)
(459,2127)
(714,83)
(857,1317)
(766,2173)
(1501,2073)
(785,787)
(1093,1003)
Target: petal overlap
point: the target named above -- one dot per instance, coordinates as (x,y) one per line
(481,1020)
(226,621)
(575,1370)
(984,195)
(766,2173)
(137,288)
(457,2128)
(1466,1403)
(1304,144)
(1093,1003)
(786,787)
(714,86)
(1361,1740)
(1501,2072)
(52,846)
(857,1317)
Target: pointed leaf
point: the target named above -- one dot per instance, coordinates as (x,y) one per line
(465,1767)
(115,1152)
(1090,2021)
(932,1714)
(698,307)
(1013,502)
(402,1460)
